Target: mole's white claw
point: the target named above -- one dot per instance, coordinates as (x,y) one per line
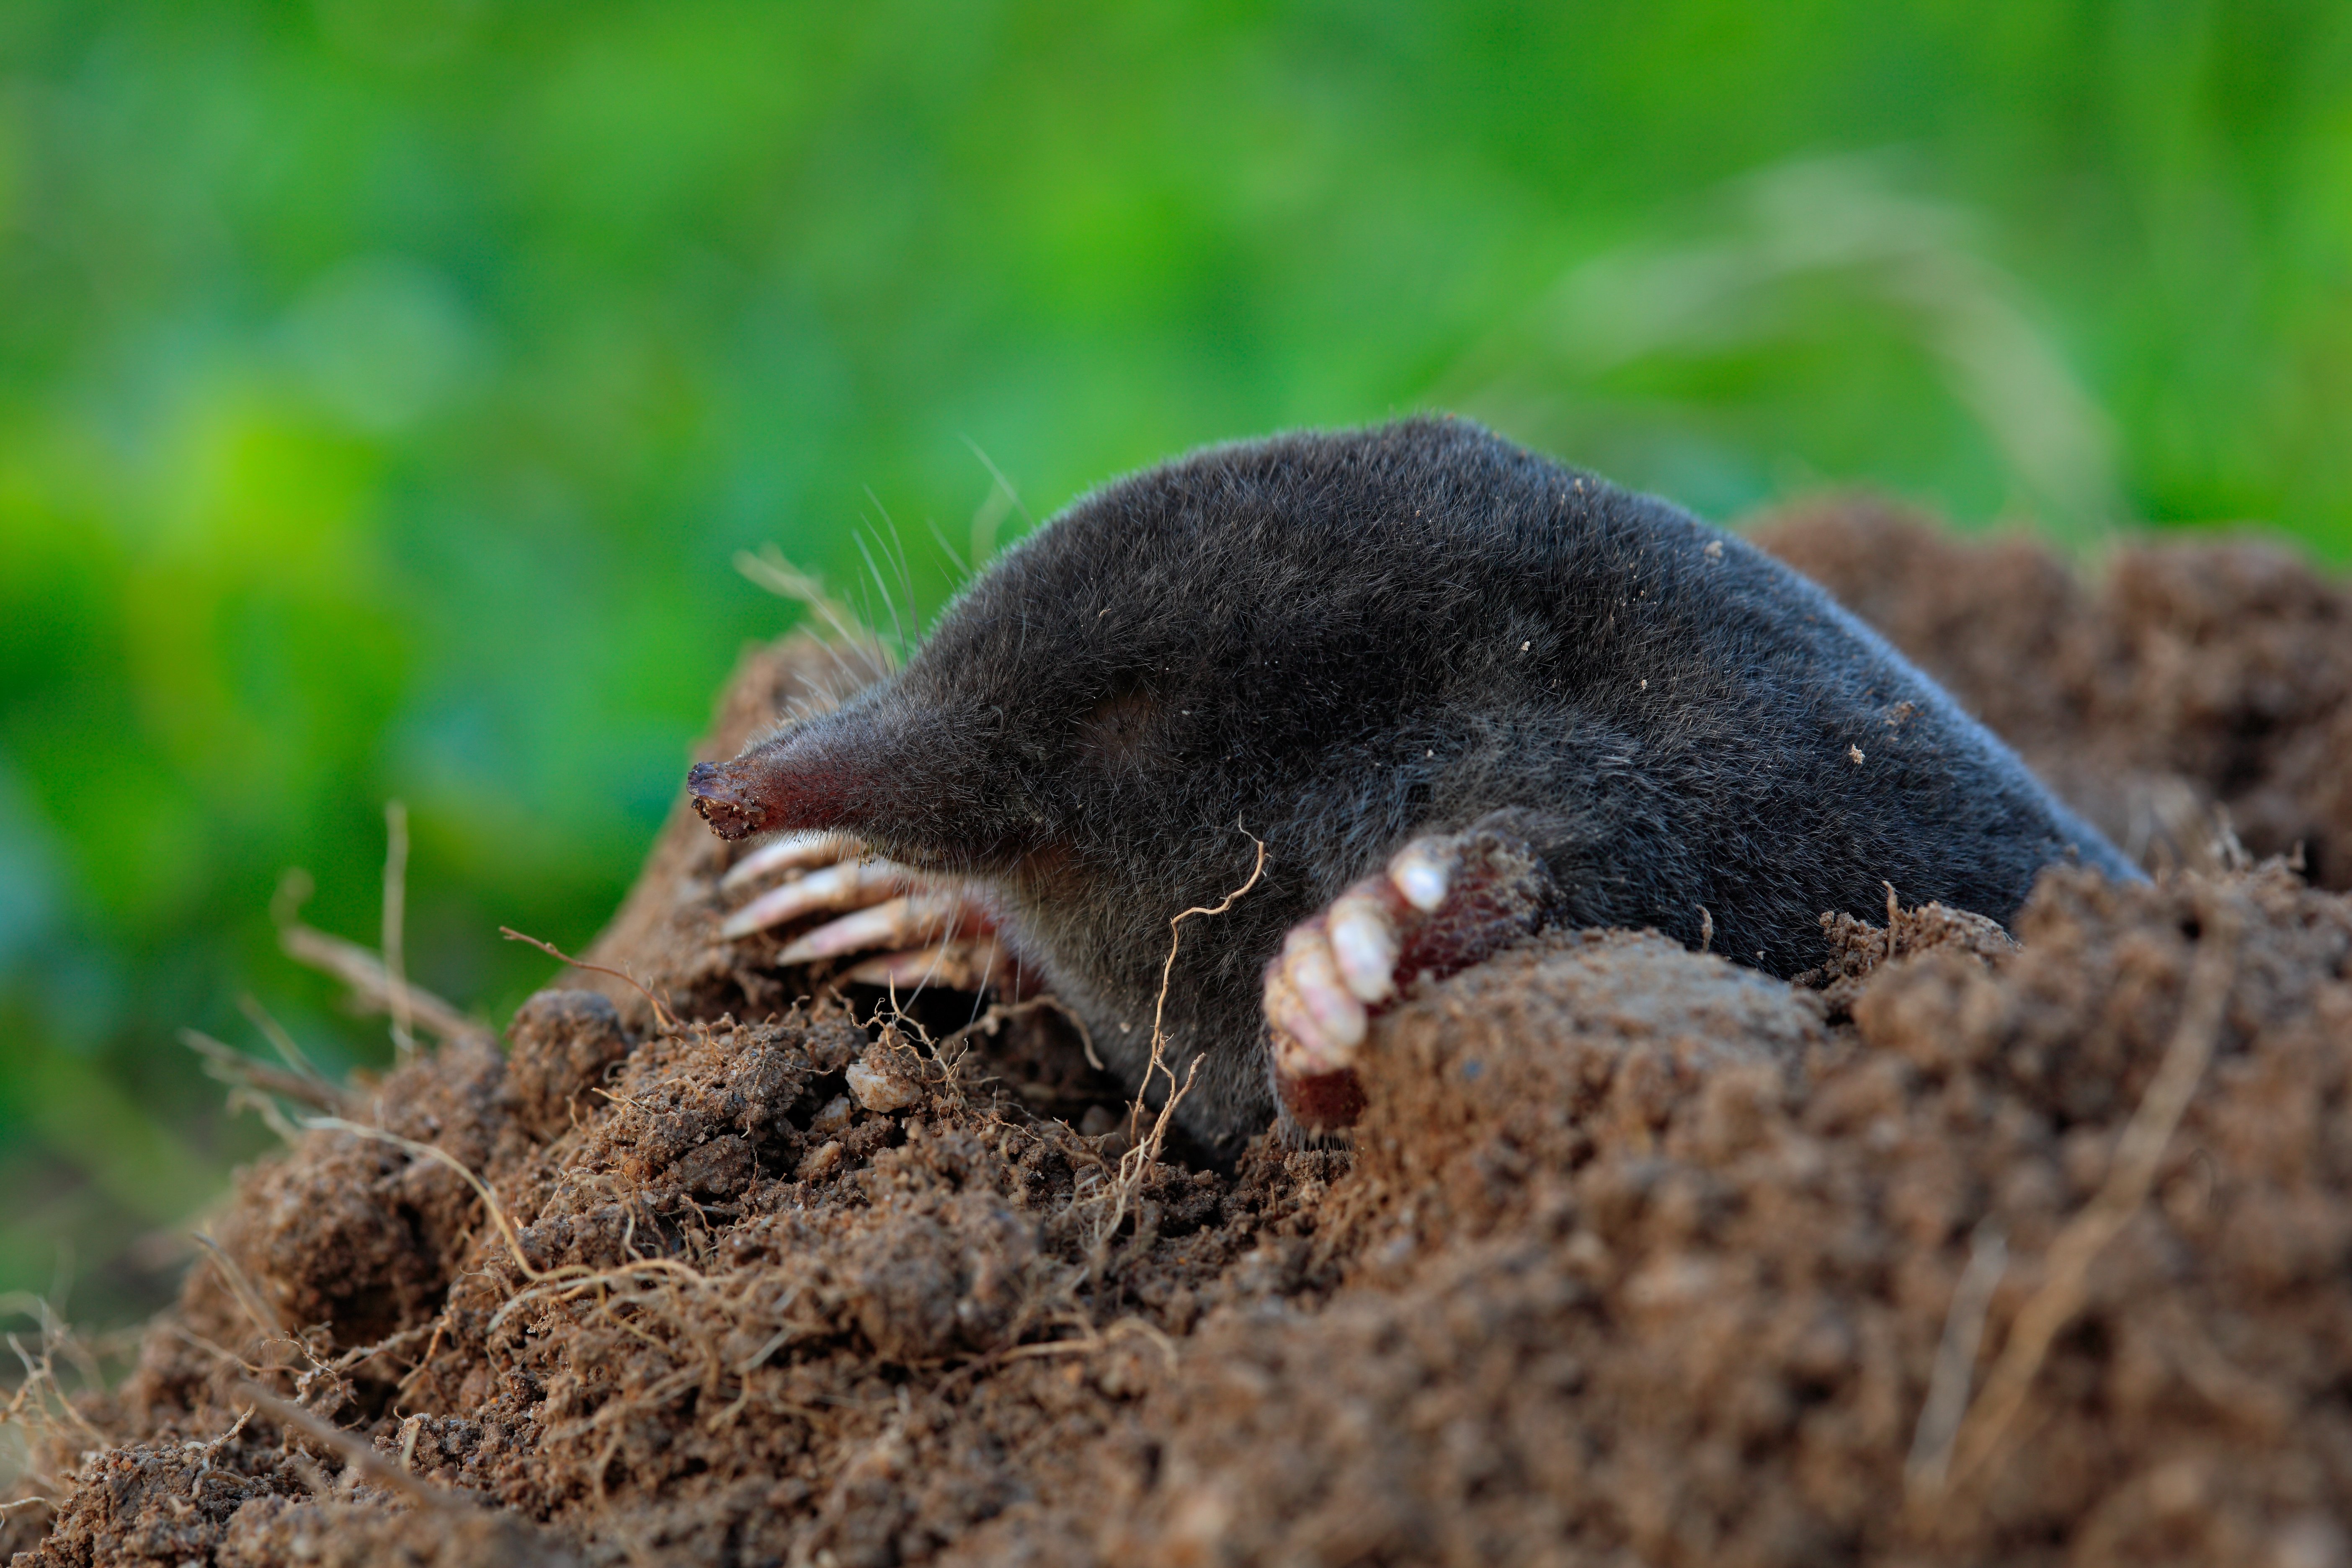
(902,921)
(1364,944)
(1443,902)
(1293,1057)
(1424,872)
(1314,977)
(1319,1023)
(792,852)
(848,885)
(1299,1048)
(962,965)
(905,929)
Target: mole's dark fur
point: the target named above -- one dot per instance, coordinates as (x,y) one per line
(1339,642)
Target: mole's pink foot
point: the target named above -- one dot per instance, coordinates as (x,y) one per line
(906,930)
(1445,902)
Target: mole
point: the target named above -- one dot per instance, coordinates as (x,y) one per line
(1460,692)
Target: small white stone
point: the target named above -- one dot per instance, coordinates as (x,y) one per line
(833,1118)
(880,1089)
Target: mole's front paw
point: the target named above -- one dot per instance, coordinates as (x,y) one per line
(1445,902)
(905,929)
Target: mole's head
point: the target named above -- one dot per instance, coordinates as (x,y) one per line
(1066,698)
(1179,648)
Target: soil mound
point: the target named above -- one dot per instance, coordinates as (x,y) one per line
(2025,1250)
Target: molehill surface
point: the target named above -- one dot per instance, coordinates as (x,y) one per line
(1980,1250)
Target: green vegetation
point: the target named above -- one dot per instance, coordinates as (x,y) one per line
(385,388)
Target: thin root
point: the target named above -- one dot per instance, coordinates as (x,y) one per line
(1136,1164)
(662,1015)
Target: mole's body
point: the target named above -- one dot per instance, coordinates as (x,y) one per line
(1344,643)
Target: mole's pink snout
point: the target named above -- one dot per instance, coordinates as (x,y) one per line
(722,801)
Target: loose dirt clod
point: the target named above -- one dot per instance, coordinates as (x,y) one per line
(1974,1249)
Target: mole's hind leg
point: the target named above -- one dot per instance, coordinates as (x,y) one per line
(1445,902)
(905,929)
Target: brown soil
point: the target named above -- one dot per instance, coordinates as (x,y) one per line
(1985,1251)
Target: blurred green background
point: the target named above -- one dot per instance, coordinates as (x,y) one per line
(386,387)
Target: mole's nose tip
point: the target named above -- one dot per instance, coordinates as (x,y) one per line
(731,814)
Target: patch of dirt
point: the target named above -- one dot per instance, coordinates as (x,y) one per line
(1978,1249)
